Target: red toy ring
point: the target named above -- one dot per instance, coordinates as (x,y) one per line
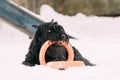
(59,64)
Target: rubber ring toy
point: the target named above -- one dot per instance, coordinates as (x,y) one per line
(59,64)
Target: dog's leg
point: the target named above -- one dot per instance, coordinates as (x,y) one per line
(78,56)
(31,59)
(32,56)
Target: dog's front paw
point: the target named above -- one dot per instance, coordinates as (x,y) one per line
(27,63)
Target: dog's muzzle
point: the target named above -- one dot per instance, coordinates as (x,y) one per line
(63,37)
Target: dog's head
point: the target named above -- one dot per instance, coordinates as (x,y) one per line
(50,31)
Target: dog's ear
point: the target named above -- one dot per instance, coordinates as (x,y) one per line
(37,35)
(35,25)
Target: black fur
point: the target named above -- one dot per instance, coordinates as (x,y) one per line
(50,31)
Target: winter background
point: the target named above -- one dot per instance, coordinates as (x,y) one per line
(98,39)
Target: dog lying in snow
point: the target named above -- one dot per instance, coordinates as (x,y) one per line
(56,52)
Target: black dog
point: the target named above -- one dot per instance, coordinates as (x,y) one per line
(56,52)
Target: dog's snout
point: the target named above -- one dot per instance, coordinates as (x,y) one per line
(63,36)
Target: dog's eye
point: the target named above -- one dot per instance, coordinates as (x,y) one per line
(49,31)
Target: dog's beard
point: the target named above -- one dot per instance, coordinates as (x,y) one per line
(57,51)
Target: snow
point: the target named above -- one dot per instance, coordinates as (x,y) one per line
(98,39)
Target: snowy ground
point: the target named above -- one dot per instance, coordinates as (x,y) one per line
(98,39)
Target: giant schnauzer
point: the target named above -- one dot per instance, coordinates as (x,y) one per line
(56,52)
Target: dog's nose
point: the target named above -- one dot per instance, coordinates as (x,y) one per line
(63,36)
